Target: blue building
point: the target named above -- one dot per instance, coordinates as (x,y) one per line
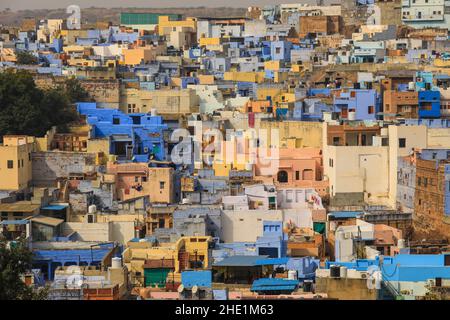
(363,103)
(280,50)
(49,260)
(410,274)
(429,104)
(137,137)
(273,242)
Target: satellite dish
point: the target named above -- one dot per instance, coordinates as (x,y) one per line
(194,289)
(180,288)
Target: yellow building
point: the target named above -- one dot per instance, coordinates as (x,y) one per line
(168,103)
(15,162)
(257,77)
(231,157)
(298,134)
(140,55)
(185,252)
(165,26)
(209,42)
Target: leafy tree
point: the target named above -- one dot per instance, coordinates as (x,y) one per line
(75,91)
(26,109)
(24,57)
(15,260)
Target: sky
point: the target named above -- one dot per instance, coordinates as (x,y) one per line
(53,4)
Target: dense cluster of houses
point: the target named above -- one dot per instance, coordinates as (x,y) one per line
(298,152)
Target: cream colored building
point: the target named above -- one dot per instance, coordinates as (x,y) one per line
(166,102)
(358,173)
(246,225)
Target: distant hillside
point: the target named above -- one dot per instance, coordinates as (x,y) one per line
(92,15)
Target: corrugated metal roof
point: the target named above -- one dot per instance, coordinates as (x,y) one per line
(47,220)
(239,261)
(19,206)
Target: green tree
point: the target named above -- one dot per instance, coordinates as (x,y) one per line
(15,260)
(26,109)
(25,57)
(75,91)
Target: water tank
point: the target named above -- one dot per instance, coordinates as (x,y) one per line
(352,115)
(248,166)
(92,209)
(116,263)
(185,201)
(401,243)
(411,86)
(292,274)
(343,272)
(335,271)
(153,112)
(307,285)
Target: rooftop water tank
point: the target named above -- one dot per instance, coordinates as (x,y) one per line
(116,263)
(92,209)
(335,271)
(343,272)
(292,274)
(352,115)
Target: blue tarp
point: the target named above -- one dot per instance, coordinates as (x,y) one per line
(239,261)
(271,261)
(55,207)
(345,214)
(274,284)
(14,222)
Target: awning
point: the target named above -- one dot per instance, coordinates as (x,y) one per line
(271,261)
(49,221)
(345,214)
(239,261)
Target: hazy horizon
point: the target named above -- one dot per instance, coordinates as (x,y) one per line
(16,5)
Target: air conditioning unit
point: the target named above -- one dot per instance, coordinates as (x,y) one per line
(364,275)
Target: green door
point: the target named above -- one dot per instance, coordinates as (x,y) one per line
(156,277)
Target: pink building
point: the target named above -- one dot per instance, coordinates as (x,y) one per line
(298,167)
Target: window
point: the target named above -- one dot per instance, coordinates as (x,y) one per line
(29,156)
(18,164)
(136,179)
(336,141)
(10,164)
(161,184)
(116,120)
(371,110)
(21,162)
(297,175)
(144,179)
(330,162)
(419,181)
(277,50)
(282,177)
(402,143)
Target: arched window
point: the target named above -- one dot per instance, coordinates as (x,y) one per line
(282,176)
